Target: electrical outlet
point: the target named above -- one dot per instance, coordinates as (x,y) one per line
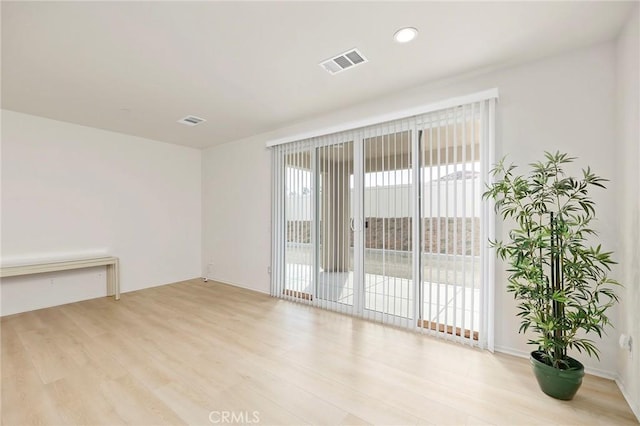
(269,270)
(626,343)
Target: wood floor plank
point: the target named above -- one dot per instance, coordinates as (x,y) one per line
(191,352)
(89,324)
(26,402)
(136,404)
(296,399)
(51,361)
(192,406)
(79,399)
(14,357)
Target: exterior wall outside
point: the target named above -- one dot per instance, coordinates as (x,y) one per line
(441,235)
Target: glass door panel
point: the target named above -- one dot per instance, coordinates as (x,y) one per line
(335,225)
(388,207)
(450,224)
(298,199)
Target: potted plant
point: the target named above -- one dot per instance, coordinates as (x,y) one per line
(558,278)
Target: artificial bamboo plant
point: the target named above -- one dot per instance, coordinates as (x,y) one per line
(558,277)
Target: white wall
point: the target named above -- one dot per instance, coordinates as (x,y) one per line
(560,103)
(69,189)
(628,203)
(236,202)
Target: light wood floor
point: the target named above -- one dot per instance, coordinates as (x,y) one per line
(177,353)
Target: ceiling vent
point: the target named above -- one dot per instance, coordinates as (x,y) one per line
(191,120)
(344,61)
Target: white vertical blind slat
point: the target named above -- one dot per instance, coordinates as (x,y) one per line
(473,223)
(456,257)
(463,301)
(416,229)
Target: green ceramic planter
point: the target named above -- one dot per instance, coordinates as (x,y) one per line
(559,384)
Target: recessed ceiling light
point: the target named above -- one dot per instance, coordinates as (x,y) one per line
(405,35)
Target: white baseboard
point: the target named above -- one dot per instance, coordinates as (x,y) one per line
(511,351)
(235,285)
(589,370)
(634,408)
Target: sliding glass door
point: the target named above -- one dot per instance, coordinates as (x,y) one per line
(386,222)
(299,250)
(348,224)
(334,172)
(450,193)
(388,210)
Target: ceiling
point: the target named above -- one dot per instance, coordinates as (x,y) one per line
(252,67)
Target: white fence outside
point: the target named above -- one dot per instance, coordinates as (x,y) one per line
(455,199)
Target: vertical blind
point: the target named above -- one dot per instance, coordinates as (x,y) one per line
(387,222)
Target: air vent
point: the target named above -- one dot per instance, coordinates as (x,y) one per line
(343,61)
(191,120)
